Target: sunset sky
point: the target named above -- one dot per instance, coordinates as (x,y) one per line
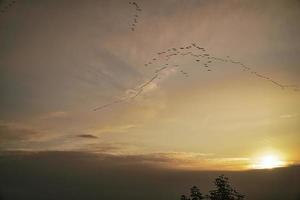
(59,60)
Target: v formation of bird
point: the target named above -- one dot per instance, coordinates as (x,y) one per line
(198,54)
(162,61)
(135,15)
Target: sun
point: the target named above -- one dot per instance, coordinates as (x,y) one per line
(268,162)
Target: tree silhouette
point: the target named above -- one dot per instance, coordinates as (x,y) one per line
(183,197)
(224,191)
(195,194)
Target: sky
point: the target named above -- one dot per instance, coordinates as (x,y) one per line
(73,78)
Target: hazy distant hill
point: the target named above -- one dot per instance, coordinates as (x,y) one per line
(74,175)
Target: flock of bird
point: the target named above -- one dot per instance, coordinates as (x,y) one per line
(200,56)
(137,9)
(197,53)
(162,61)
(200,53)
(6,7)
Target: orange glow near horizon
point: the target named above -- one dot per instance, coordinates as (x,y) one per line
(269,161)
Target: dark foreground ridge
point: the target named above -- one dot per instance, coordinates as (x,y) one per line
(86,176)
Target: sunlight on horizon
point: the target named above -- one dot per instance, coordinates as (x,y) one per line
(269,161)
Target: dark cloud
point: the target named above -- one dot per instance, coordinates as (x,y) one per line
(88,136)
(78,175)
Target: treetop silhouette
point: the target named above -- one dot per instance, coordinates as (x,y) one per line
(223,191)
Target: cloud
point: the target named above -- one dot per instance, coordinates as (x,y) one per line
(191,161)
(117,155)
(284,116)
(55,114)
(17,136)
(123,128)
(15,132)
(88,136)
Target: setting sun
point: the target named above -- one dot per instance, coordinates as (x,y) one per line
(269,162)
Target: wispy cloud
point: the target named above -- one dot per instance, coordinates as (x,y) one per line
(284,116)
(18,136)
(10,131)
(177,160)
(115,129)
(54,115)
